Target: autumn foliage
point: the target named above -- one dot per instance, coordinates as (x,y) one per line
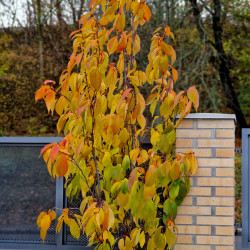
(124,188)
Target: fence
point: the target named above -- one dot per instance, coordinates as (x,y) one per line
(205,219)
(245,187)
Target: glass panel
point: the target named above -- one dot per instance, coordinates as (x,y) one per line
(26,189)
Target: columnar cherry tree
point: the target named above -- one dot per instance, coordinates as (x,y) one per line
(129,195)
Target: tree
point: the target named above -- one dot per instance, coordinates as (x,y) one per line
(122,185)
(221,61)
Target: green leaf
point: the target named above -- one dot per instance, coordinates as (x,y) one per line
(170,208)
(74,229)
(126,162)
(163,144)
(170,238)
(174,190)
(124,186)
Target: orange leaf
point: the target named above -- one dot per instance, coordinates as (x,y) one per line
(132,178)
(167,31)
(105,220)
(177,98)
(175,74)
(61,166)
(46,147)
(73,33)
(43,234)
(193,96)
(122,43)
(125,93)
(82,108)
(146,12)
(49,99)
(78,58)
(40,93)
(136,111)
(92,3)
(54,152)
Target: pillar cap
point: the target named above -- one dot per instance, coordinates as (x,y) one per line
(212,116)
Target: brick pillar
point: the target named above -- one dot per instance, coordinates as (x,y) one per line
(205,219)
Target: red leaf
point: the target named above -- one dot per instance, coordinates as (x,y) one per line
(48,81)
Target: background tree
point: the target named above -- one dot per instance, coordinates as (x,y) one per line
(197,62)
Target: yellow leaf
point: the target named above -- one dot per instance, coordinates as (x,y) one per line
(100,217)
(43,234)
(45,222)
(151,98)
(151,175)
(59,224)
(166,49)
(74,229)
(39,218)
(128,243)
(95,78)
(53,214)
(112,45)
(193,96)
(142,239)
(61,122)
(121,244)
(133,155)
(135,236)
(120,22)
(149,192)
(115,187)
(141,120)
(60,105)
(111,219)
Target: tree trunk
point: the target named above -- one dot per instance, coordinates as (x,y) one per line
(224,70)
(198,21)
(80,9)
(59,12)
(40,33)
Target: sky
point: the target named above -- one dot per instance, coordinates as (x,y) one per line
(6,13)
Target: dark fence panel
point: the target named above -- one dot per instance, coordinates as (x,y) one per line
(26,189)
(246,187)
